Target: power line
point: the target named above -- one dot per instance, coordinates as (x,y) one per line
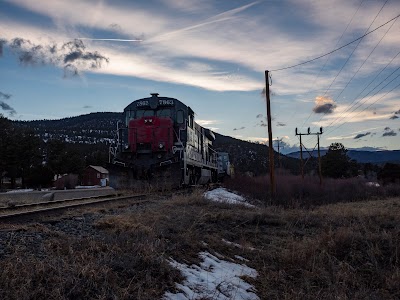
(351,54)
(333,129)
(351,105)
(337,49)
(348,58)
(366,59)
(326,61)
(354,104)
(330,131)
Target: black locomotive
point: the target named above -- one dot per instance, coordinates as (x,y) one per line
(161,144)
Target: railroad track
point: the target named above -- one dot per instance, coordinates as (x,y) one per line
(52,206)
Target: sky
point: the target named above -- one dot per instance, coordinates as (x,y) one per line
(66,58)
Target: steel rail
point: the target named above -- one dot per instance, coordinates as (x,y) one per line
(16,213)
(51,202)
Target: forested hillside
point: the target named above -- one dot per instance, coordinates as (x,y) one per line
(94,132)
(94,128)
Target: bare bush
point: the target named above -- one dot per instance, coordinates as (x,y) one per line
(293,191)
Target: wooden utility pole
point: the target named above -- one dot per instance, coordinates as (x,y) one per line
(270,141)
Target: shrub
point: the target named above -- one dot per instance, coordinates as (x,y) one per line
(293,191)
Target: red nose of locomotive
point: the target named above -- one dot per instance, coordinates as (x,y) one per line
(150,134)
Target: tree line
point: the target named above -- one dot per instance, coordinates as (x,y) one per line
(24,155)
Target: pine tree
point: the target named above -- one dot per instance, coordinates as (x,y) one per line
(336,163)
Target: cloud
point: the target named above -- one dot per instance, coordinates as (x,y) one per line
(6,107)
(389,132)
(207,122)
(259,116)
(241,128)
(87,106)
(352,134)
(280,124)
(286,148)
(258,139)
(72,56)
(324,105)
(115,26)
(220,17)
(360,135)
(2,43)
(229,31)
(77,55)
(395,115)
(5,96)
(263,94)
(187,6)
(262,124)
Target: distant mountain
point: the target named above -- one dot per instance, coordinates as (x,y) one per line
(374,157)
(99,129)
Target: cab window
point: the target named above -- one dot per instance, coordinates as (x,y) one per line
(144,113)
(191,121)
(179,116)
(164,113)
(128,116)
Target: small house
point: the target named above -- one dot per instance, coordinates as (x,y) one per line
(95,175)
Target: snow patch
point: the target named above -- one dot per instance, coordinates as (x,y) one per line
(241,258)
(237,245)
(20,191)
(222,195)
(213,279)
(87,186)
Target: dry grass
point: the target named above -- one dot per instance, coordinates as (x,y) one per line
(336,251)
(292,191)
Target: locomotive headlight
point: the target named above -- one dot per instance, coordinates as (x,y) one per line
(126,147)
(160,146)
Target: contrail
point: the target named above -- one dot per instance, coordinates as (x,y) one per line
(227,15)
(224,16)
(113,40)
